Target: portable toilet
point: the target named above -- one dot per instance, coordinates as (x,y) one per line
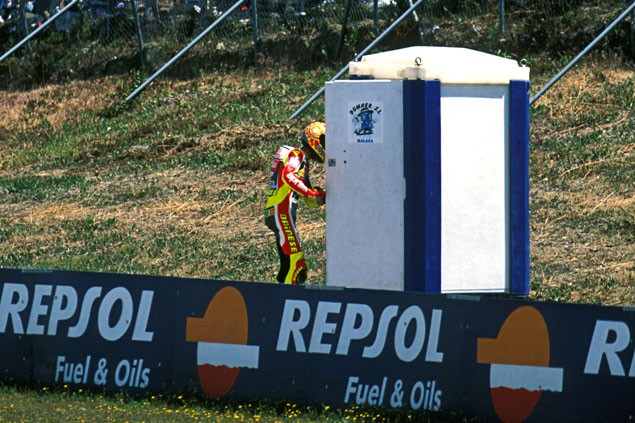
(427,173)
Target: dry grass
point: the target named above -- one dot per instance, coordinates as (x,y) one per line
(577,254)
(582,247)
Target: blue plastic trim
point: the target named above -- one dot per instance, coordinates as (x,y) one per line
(414,203)
(422,172)
(519,187)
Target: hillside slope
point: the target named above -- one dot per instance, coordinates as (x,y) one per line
(175,183)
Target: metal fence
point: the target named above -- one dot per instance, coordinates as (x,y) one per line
(181,19)
(177,21)
(106,31)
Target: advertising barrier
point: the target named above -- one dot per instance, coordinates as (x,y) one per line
(503,359)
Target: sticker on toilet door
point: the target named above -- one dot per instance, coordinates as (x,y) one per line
(366,122)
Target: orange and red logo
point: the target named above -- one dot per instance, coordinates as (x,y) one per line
(519,364)
(222,348)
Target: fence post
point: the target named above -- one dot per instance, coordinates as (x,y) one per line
(419,27)
(109,35)
(142,51)
(501,17)
(22,18)
(254,22)
(340,41)
(633,33)
(376,15)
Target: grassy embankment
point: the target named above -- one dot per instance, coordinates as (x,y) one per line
(174,184)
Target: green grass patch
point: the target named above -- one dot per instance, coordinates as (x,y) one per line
(65,404)
(38,188)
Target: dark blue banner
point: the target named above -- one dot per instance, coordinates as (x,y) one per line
(494,358)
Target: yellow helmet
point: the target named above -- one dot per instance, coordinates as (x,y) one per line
(314,140)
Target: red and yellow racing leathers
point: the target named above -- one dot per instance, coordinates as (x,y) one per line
(289,181)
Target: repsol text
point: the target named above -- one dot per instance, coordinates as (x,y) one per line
(48,309)
(329,333)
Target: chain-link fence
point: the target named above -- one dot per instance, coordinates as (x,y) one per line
(96,37)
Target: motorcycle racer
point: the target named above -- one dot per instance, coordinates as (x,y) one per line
(290,181)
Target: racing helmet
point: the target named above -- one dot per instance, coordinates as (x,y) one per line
(314,140)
